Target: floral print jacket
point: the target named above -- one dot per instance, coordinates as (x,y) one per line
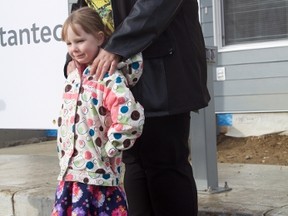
(98,119)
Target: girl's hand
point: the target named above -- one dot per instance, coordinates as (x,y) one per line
(103,63)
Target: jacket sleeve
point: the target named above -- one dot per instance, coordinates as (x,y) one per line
(145,22)
(127,116)
(132,69)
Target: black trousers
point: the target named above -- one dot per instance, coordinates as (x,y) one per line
(158,178)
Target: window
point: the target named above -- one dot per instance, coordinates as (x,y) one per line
(253,21)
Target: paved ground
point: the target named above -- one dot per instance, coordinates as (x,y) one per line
(28,180)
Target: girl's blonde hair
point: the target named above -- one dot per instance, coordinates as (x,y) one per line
(88,19)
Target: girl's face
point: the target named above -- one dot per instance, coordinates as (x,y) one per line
(83,47)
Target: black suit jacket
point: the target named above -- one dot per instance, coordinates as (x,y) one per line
(169,35)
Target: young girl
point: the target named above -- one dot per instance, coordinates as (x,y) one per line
(98,119)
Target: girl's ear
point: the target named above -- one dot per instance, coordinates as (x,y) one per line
(100,36)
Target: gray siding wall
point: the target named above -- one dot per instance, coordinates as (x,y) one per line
(256,79)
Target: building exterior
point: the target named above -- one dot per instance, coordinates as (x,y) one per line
(252,61)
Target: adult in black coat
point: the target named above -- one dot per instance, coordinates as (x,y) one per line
(158,177)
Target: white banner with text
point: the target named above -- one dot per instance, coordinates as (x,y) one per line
(32,57)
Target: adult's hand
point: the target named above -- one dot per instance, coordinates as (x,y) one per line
(103,63)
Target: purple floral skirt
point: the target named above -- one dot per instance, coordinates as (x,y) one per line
(78,199)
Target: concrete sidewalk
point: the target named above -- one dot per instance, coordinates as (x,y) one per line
(28,181)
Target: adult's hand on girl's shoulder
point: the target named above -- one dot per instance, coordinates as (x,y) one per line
(103,63)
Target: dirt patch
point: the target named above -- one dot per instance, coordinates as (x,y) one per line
(268,149)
